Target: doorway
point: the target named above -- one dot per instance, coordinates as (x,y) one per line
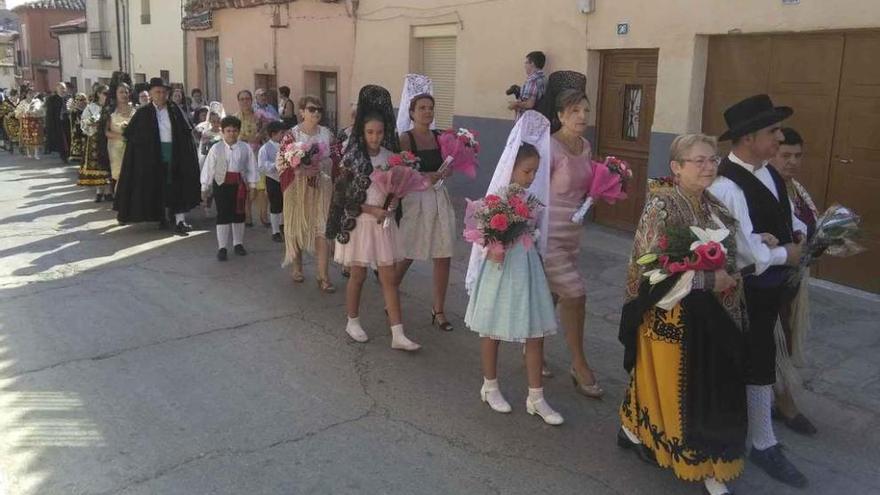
(833,84)
(268,83)
(210,69)
(625,114)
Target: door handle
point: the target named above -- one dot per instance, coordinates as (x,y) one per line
(845,161)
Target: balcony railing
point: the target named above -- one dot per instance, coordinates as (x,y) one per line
(99,44)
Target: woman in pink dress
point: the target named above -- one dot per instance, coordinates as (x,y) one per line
(570,172)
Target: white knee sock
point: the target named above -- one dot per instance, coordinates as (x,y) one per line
(760,400)
(179,218)
(223,231)
(715,487)
(237,234)
(275,220)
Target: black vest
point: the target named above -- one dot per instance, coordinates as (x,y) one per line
(766,212)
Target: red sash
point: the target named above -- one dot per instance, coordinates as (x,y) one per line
(241,194)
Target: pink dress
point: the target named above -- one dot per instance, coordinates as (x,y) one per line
(569,176)
(370,243)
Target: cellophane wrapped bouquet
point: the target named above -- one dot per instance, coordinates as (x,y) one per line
(681,249)
(298,157)
(607,183)
(499,220)
(459,149)
(396,178)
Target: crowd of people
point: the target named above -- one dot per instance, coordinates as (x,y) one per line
(700,346)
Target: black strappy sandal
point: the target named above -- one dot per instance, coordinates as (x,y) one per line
(442,325)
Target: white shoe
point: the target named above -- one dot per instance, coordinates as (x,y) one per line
(400,342)
(542,409)
(356,332)
(495,399)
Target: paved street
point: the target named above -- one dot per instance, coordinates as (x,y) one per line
(135,363)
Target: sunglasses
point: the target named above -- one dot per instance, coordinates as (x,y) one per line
(314,109)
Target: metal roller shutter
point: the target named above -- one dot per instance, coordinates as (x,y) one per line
(438,60)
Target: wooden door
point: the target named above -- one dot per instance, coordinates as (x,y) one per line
(854,178)
(328,96)
(211,69)
(626,112)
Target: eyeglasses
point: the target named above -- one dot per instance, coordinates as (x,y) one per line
(703,161)
(314,109)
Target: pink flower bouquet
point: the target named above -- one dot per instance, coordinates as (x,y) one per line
(459,149)
(293,155)
(499,220)
(607,183)
(398,177)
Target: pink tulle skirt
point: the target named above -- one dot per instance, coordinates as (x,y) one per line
(370,244)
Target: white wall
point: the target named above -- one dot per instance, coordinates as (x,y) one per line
(158,45)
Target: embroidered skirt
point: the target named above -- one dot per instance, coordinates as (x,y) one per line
(651,407)
(77,147)
(91,173)
(12,126)
(31,131)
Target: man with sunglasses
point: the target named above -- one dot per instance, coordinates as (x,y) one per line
(768,241)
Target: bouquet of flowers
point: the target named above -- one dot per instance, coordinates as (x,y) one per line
(686,248)
(607,183)
(499,220)
(459,149)
(293,155)
(836,231)
(396,178)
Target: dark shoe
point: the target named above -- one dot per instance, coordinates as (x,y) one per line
(800,424)
(239,250)
(221,254)
(281,227)
(643,452)
(99,198)
(775,464)
(442,325)
(277,237)
(346,273)
(181,229)
(108,197)
(187,227)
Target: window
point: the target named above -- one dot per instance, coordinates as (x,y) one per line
(438,63)
(145,11)
(632,106)
(98,44)
(140,77)
(73,85)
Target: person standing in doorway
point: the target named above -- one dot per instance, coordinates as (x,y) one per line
(56,104)
(159,170)
(286,107)
(768,238)
(533,89)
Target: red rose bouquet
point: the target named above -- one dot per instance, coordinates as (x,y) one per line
(499,220)
(606,183)
(684,249)
(398,177)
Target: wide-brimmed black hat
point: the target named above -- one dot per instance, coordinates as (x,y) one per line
(752,114)
(157,81)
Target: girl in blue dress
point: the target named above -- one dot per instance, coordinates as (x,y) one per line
(509,297)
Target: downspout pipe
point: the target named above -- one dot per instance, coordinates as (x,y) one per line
(118,37)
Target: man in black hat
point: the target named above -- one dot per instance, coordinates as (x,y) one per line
(160,169)
(768,242)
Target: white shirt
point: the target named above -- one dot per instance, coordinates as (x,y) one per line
(749,248)
(164,121)
(266,160)
(239,158)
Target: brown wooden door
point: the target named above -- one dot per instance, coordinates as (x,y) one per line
(626,112)
(854,178)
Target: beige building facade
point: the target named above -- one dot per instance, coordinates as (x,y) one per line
(307,45)
(154,40)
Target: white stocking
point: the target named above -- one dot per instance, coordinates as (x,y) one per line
(179,218)
(223,231)
(237,234)
(760,400)
(275,220)
(715,487)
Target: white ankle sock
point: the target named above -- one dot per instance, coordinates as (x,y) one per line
(715,487)
(400,341)
(223,235)
(179,218)
(355,331)
(490,384)
(491,394)
(237,234)
(275,220)
(760,400)
(536,394)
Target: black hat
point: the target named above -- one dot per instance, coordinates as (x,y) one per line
(157,81)
(752,114)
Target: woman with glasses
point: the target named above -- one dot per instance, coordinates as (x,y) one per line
(685,407)
(307,198)
(250,133)
(92,172)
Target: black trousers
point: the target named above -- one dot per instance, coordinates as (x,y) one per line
(763,306)
(276,197)
(224,199)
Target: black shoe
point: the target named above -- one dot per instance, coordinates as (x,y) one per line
(281,228)
(239,250)
(774,463)
(108,197)
(277,237)
(221,254)
(99,198)
(800,424)
(642,451)
(181,229)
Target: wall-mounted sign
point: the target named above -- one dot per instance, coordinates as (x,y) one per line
(790,2)
(622,28)
(229,71)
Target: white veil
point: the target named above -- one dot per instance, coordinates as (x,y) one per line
(413,85)
(532,128)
